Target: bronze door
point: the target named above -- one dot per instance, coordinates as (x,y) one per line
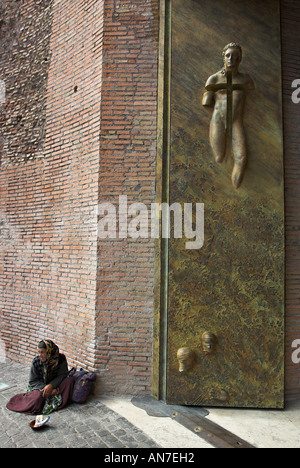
(220,307)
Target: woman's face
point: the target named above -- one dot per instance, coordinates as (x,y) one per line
(42,354)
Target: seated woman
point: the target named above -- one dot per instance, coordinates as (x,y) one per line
(50,387)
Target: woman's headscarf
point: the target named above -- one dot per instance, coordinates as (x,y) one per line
(52,359)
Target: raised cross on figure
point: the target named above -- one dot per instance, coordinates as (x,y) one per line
(226,93)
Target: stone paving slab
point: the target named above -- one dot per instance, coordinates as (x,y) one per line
(92,425)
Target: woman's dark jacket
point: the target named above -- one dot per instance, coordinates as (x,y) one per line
(55,378)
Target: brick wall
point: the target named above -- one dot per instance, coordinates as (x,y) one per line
(49,278)
(48,202)
(127,168)
(78,128)
(24,70)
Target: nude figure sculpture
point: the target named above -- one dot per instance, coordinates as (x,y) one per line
(226,94)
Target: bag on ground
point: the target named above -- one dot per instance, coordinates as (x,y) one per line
(83,385)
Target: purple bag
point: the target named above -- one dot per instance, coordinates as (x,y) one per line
(83,385)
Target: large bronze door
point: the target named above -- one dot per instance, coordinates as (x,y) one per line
(219,327)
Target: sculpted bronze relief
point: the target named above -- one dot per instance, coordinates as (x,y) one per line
(209,342)
(186,359)
(223,289)
(226,93)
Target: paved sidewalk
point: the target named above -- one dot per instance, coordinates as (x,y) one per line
(90,425)
(113,422)
(93,425)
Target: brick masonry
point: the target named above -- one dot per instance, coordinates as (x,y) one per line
(49,201)
(127,167)
(24,45)
(78,127)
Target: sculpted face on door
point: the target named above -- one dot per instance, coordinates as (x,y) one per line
(186,358)
(209,342)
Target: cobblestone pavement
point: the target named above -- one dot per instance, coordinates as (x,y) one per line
(92,425)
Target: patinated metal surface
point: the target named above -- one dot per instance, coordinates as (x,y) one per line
(233,288)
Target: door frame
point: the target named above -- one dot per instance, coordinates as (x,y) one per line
(161,266)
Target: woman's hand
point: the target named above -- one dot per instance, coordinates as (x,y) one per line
(47,391)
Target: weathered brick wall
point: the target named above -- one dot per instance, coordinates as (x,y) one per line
(291,71)
(127,168)
(24,70)
(25,29)
(48,202)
